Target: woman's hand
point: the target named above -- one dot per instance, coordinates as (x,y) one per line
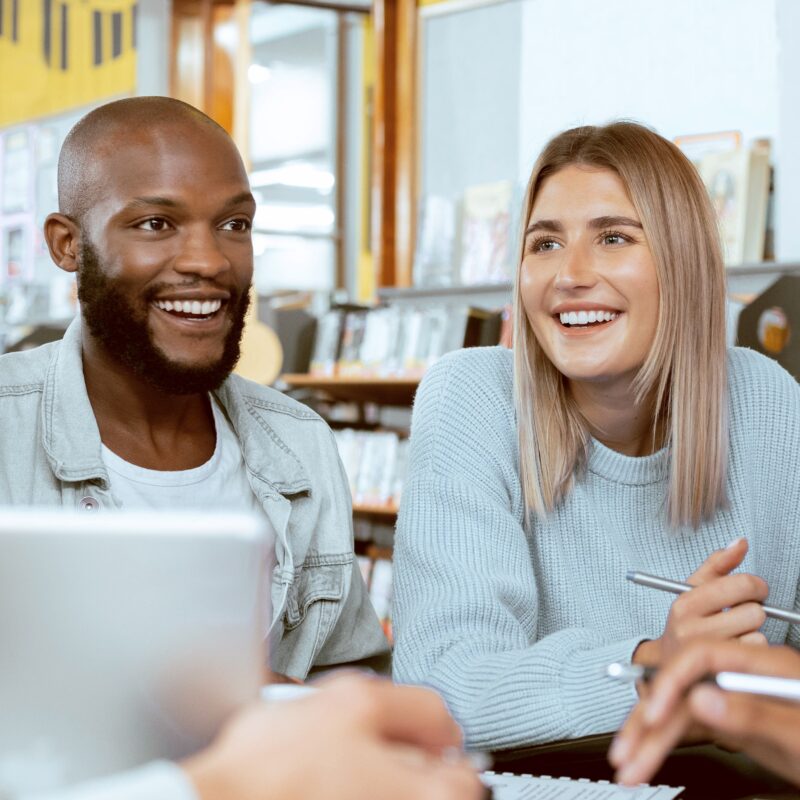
(722,606)
(764,728)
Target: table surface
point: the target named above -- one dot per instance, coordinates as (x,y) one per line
(707,772)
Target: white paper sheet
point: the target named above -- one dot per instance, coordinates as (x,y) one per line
(526,787)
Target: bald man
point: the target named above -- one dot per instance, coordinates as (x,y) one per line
(137,408)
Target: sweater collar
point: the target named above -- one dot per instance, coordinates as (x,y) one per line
(632,470)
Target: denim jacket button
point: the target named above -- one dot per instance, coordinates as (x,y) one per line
(89,503)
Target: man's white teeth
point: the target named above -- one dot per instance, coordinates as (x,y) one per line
(194,307)
(586,317)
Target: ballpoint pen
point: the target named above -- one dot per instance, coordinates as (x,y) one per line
(767,685)
(666,585)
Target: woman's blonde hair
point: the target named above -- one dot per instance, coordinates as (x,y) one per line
(684,375)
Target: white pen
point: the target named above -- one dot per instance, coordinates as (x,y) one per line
(768,685)
(666,585)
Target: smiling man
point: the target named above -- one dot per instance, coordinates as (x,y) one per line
(137,407)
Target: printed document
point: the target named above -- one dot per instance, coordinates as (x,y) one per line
(527,787)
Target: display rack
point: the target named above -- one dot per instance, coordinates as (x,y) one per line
(357,389)
(387,512)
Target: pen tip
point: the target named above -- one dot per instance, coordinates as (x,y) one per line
(630,574)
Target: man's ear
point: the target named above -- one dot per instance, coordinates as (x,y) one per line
(63,235)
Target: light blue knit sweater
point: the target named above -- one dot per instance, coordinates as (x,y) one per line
(515,630)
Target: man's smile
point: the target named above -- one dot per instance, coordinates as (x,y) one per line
(190,309)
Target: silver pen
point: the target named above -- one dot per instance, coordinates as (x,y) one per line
(767,685)
(666,585)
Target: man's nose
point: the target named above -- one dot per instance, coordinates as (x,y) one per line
(575,270)
(201,254)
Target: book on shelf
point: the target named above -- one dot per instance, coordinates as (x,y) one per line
(738,182)
(400,341)
(353,328)
(326,343)
(375,463)
(435,254)
(486,233)
(378,344)
(375,481)
(381,593)
(482,328)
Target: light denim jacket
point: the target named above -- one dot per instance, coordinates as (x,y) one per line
(50,454)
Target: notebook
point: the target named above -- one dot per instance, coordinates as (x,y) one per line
(506,786)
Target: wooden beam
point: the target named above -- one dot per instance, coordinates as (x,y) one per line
(383,150)
(201,70)
(394,135)
(406,139)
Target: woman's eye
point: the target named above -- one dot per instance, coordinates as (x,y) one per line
(155,224)
(614,238)
(544,246)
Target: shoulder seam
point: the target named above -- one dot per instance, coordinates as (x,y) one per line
(280,408)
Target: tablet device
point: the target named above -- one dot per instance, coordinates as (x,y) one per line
(124,637)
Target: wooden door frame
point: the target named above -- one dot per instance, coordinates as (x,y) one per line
(393,201)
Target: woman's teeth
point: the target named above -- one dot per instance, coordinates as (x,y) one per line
(586,317)
(196,308)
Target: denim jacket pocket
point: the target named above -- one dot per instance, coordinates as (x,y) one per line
(315,583)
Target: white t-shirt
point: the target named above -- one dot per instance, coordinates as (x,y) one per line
(160,780)
(220,483)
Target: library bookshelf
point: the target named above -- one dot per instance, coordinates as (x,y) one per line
(393,391)
(385,512)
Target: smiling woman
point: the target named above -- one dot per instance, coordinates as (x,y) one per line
(618,435)
(619,220)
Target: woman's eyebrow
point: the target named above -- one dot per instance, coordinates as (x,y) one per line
(614,222)
(545,225)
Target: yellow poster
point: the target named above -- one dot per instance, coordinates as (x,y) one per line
(61,54)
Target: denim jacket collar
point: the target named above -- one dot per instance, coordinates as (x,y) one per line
(72,442)
(268,458)
(71,437)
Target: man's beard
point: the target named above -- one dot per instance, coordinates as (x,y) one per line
(123,331)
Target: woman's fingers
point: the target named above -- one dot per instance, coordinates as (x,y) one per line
(731,624)
(720,562)
(721,593)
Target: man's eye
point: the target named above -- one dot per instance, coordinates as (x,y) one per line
(237,225)
(154,224)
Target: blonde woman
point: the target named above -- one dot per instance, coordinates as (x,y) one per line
(619,434)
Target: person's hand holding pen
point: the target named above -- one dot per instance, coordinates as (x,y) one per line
(765,728)
(721,606)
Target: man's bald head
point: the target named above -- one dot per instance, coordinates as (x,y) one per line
(107,129)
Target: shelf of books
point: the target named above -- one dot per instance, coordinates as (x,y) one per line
(386,511)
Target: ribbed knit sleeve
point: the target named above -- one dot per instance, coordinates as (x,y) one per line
(467,608)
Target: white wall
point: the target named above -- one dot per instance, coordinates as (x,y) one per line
(152,44)
(680,66)
(787,157)
(470,120)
